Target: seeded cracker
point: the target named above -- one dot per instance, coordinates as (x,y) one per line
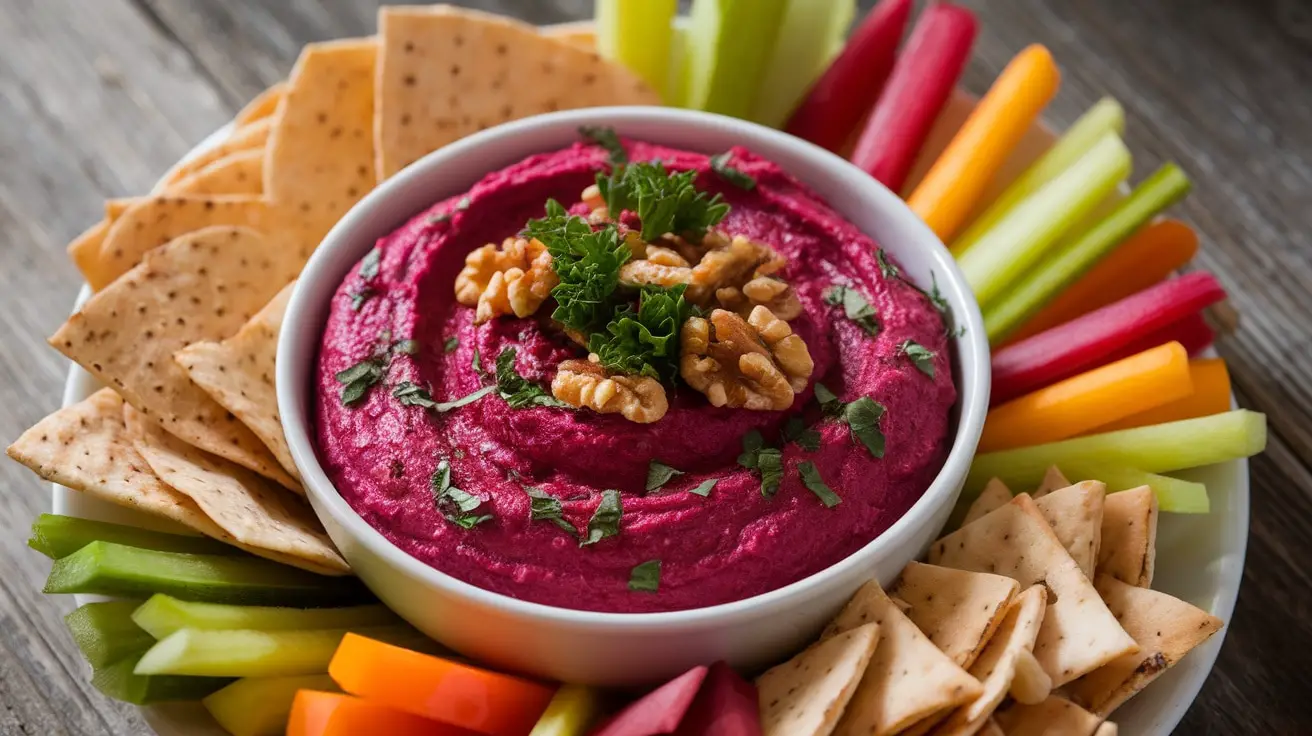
(1129,536)
(241,173)
(203,286)
(958,610)
(445,73)
(263,106)
(1053,717)
(259,515)
(244,138)
(1075,515)
(806,695)
(1052,480)
(994,496)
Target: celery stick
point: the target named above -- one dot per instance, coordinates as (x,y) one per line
(163,615)
(119,682)
(1160,448)
(1033,227)
(676,83)
(813,36)
(638,36)
(729,45)
(260,706)
(252,653)
(571,711)
(1165,187)
(113,569)
(105,632)
(60,536)
(1106,116)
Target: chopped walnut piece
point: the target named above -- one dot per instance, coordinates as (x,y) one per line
(643,272)
(598,211)
(758,364)
(584,383)
(515,279)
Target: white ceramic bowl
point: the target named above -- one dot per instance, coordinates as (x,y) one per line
(611,648)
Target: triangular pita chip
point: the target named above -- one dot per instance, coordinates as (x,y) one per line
(202,286)
(806,695)
(583,35)
(321,151)
(238,373)
(1166,628)
(1075,515)
(1107,728)
(86,447)
(1079,634)
(85,248)
(262,106)
(991,728)
(957,609)
(257,513)
(445,73)
(1129,536)
(908,677)
(241,173)
(994,496)
(243,138)
(1053,717)
(1052,480)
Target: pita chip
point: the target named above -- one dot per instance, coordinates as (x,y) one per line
(243,138)
(957,609)
(445,73)
(1078,634)
(85,248)
(1106,729)
(202,286)
(328,106)
(806,695)
(1075,515)
(1055,716)
(1166,628)
(257,513)
(1129,536)
(995,495)
(991,728)
(262,106)
(238,374)
(241,173)
(1052,480)
(908,677)
(582,35)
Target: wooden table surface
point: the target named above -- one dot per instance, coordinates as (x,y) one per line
(99,97)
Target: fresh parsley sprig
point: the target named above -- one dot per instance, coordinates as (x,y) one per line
(665,202)
(588,263)
(645,342)
(608,139)
(518,391)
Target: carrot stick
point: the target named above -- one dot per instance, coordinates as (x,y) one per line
(952,188)
(483,701)
(1211,395)
(1148,256)
(316,713)
(1103,395)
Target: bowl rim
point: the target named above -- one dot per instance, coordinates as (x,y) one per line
(297,356)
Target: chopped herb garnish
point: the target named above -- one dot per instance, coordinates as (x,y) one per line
(862,417)
(703,489)
(922,356)
(369,264)
(477,362)
(645,342)
(812,480)
(406,347)
(457,506)
(886,267)
(518,391)
(665,202)
(545,507)
(463,204)
(608,139)
(766,461)
(752,444)
(646,577)
(358,379)
(796,431)
(605,521)
(451,344)
(360,296)
(587,262)
(936,297)
(412,394)
(735,176)
(855,307)
(438,219)
(828,400)
(658,474)
(465,400)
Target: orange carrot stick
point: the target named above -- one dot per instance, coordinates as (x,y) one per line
(1148,256)
(1211,395)
(952,188)
(1103,395)
(482,701)
(333,714)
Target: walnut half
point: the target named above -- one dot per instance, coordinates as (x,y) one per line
(515,279)
(756,364)
(584,383)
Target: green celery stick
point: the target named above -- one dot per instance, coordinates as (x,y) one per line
(638,36)
(571,711)
(105,632)
(1160,448)
(729,45)
(113,569)
(60,536)
(162,615)
(119,682)
(676,82)
(253,653)
(1038,287)
(815,32)
(260,706)
(1030,229)
(1106,116)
